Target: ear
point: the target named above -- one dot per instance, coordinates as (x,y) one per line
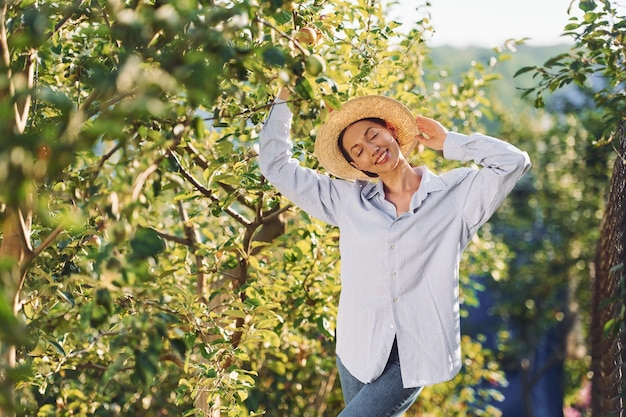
(392,129)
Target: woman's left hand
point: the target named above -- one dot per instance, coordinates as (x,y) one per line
(432,133)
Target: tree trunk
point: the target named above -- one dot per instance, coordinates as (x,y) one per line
(608,354)
(15,233)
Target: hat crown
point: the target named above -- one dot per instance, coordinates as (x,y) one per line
(393,112)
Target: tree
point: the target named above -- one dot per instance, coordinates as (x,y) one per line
(147,268)
(596,64)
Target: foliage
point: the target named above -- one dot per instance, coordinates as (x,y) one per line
(597,62)
(553,237)
(472,392)
(456,60)
(151,268)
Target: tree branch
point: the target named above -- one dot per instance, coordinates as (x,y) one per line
(21,114)
(176,239)
(143,177)
(65,18)
(201,161)
(112,100)
(207,193)
(194,238)
(105,158)
(295,42)
(4,45)
(24,235)
(47,241)
(276,213)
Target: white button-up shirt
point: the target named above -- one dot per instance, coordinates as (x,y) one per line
(399,274)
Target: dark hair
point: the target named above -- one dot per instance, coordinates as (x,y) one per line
(343,150)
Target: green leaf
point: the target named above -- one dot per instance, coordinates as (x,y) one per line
(103,298)
(571,27)
(323,325)
(332,102)
(145,367)
(179,346)
(235,313)
(146,243)
(590,17)
(55,98)
(587,5)
(523,71)
(304,88)
(283,17)
(611,327)
(57,346)
(554,60)
(274,56)
(111,371)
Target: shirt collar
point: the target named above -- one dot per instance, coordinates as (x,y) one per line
(430,183)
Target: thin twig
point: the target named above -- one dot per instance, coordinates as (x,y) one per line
(47,241)
(24,235)
(201,161)
(64,19)
(21,115)
(251,110)
(207,193)
(192,236)
(143,177)
(276,213)
(304,51)
(176,239)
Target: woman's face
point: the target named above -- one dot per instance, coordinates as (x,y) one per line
(371,147)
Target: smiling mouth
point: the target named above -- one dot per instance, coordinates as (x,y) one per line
(382,158)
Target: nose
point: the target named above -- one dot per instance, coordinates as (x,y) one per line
(373,148)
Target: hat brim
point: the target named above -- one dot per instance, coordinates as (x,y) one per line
(396,114)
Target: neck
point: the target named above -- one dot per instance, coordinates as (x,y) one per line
(403,179)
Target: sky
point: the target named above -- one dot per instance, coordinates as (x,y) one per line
(490,23)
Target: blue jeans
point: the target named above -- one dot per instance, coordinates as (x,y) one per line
(384,397)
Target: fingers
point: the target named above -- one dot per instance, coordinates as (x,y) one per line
(432,133)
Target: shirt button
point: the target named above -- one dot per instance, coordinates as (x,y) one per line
(392,247)
(395,299)
(393,274)
(391,326)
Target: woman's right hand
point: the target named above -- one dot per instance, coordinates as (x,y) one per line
(284,93)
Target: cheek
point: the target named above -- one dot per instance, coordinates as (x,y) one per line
(359,160)
(392,139)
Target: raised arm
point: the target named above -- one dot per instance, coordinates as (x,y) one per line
(483,190)
(315,193)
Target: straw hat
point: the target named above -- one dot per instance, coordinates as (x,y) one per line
(391,111)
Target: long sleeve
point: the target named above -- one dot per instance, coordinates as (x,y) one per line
(484,191)
(315,193)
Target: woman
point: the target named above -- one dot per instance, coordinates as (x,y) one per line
(402,233)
